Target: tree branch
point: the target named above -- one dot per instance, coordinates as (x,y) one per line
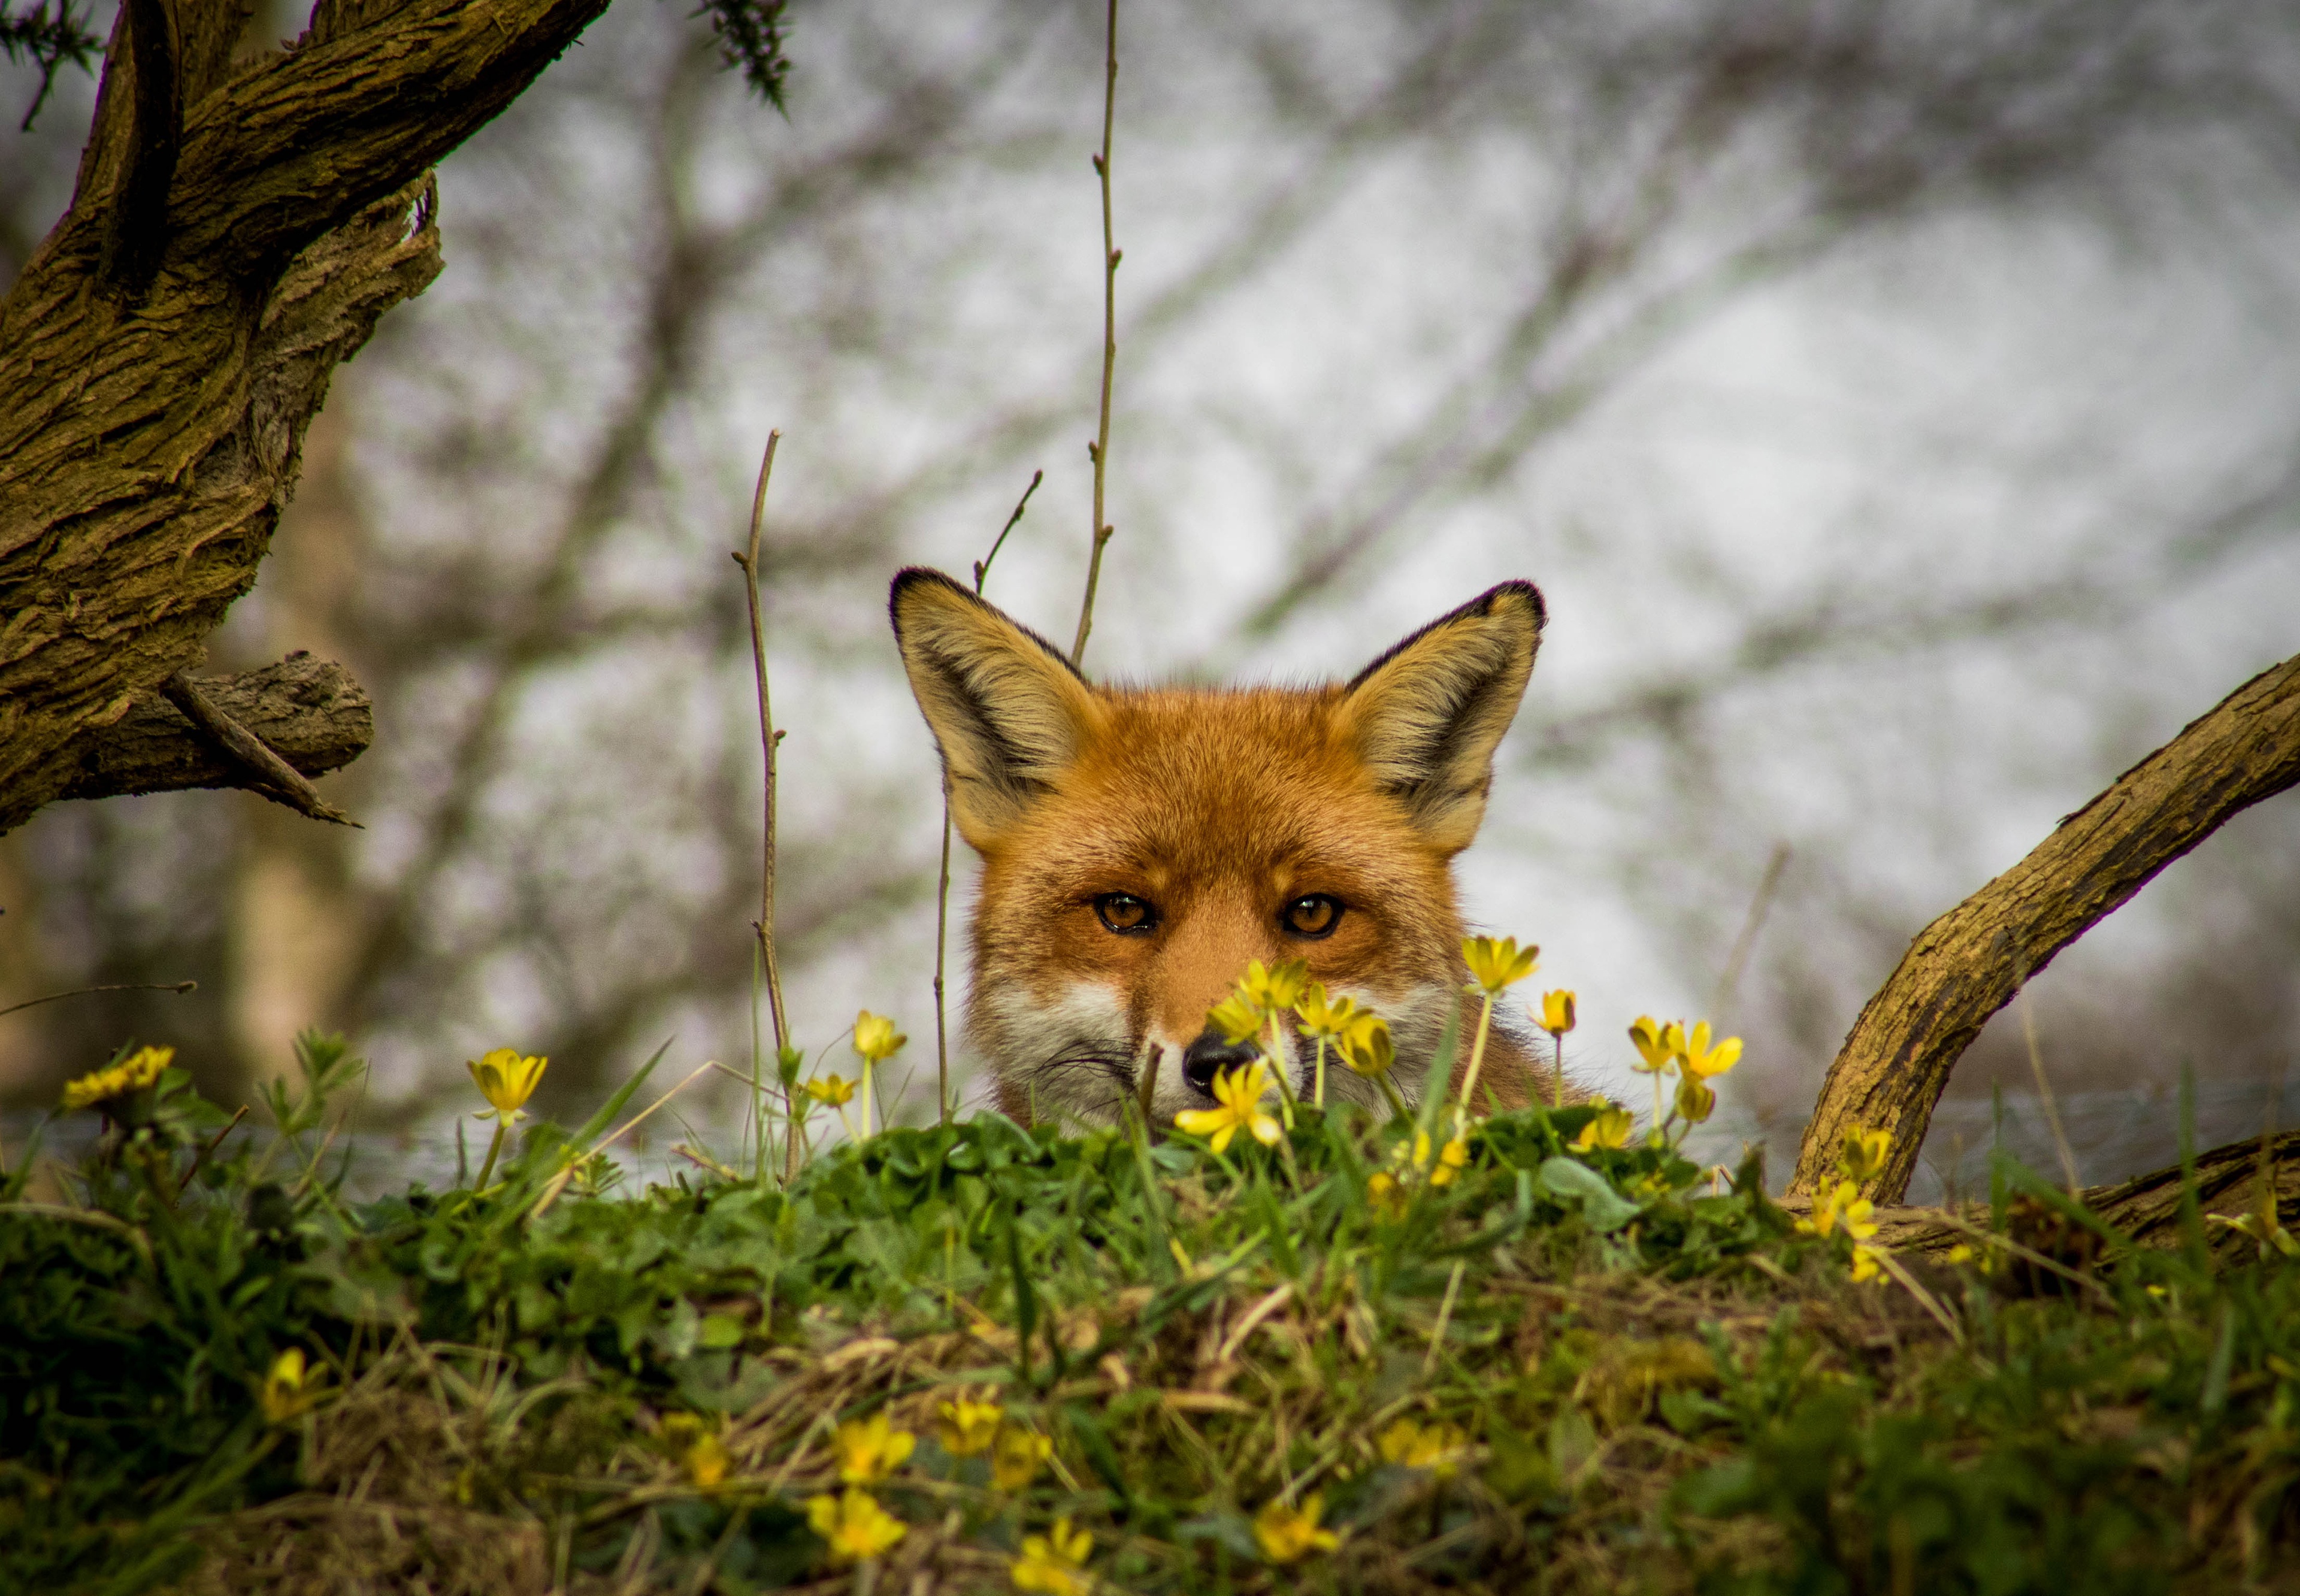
(307,712)
(146,448)
(1970,962)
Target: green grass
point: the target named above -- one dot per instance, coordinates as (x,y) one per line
(1659,1386)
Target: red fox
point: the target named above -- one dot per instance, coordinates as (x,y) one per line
(1140,845)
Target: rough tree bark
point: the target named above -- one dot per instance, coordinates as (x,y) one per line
(237,232)
(1970,962)
(308,712)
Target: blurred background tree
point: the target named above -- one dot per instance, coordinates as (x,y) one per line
(1897,406)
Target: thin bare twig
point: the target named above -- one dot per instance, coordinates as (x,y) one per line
(769,737)
(1099,450)
(213,1142)
(1745,943)
(566,1174)
(178,987)
(276,778)
(941,886)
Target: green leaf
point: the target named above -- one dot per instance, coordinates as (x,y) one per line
(1575,1184)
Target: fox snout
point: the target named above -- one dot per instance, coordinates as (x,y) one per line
(1140,845)
(1210,1055)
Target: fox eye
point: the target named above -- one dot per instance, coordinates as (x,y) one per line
(1311,918)
(1125,914)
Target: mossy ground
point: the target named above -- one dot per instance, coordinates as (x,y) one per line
(1661,1383)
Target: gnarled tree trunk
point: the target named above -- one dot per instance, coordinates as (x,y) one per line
(1970,962)
(237,232)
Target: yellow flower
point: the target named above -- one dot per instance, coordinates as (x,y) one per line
(1366,1044)
(876,1038)
(1054,1562)
(1694,1102)
(1703,1061)
(854,1525)
(1495,964)
(707,1463)
(836,1090)
(290,1387)
(1656,1043)
(1289,1535)
(1868,1262)
(1016,1460)
(1325,1019)
(1843,1209)
(967,1426)
(698,1450)
(1556,1015)
(1384,1195)
(2261,1224)
(1239,1093)
(870,1449)
(1437,1448)
(1610,1128)
(133,1074)
(506,1080)
(1961,1253)
(1864,1154)
(1276,989)
(1452,1159)
(1236,1018)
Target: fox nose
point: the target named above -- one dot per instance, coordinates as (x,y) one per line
(1210,1055)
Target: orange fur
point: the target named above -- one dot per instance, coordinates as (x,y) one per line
(1217,808)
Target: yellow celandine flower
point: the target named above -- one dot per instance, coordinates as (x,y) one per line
(697,1449)
(1843,1209)
(1323,1018)
(1437,1448)
(1018,1455)
(506,1079)
(1555,1015)
(1863,1158)
(1384,1195)
(968,1426)
(876,1038)
(1704,1062)
(1056,1562)
(289,1387)
(1236,1018)
(1273,990)
(1366,1044)
(870,1449)
(1452,1159)
(856,1527)
(1694,1102)
(1961,1253)
(1239,1092)
(1289,1535)
(1495,964)
(1610,1128)
(2261,1224)
(131,1074)
(1656,1043)
(1868,1261)
(836,1090)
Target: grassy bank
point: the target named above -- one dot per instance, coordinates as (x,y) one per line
(1318,1364)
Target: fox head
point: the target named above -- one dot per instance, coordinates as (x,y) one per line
(1140,845)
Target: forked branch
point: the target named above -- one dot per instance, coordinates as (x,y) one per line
(1970,962)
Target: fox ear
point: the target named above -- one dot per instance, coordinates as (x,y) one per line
(1005,708)
(1428,715)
